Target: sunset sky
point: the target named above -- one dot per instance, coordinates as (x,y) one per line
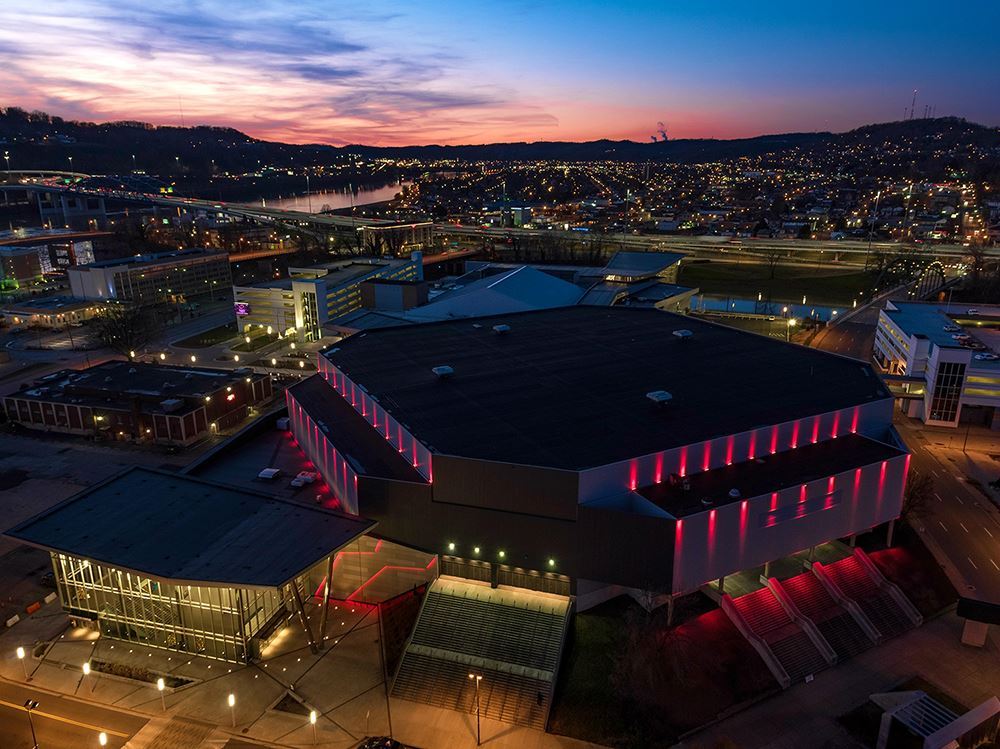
(338,71)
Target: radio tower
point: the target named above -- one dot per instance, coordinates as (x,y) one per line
(913,104)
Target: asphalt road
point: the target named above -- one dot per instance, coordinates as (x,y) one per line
(963,523)
(60,722)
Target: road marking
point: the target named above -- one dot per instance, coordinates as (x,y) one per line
(959,500)
(971,562)
(994,564)
(63,719)
(938,497)
(963,527)
(943,526)
(934,472)
(987,531)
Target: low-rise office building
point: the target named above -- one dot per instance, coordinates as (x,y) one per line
(942,361)
(123,400)
(311,296)
(163,277)
(49,312)
(194,567)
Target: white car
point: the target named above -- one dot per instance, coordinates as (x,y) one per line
(304,477)
(986,357)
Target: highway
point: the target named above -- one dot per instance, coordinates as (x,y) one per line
(60,722)
(844,252)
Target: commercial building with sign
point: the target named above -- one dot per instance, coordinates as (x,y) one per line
(310,296)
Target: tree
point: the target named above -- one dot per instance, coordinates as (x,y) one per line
(919,490)
(124,328)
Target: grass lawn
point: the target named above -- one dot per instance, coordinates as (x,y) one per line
(915,570)
(819,285)
(256,342)
(685,678)
(209,338)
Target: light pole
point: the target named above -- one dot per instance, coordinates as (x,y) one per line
(102,738)
(312,722)
(24,666)
(70,166)
(86,673)
(30,705)
(788,330)
(160,686)
(309,200)
(6,157)
(871,228)
(479,737)
(232,708)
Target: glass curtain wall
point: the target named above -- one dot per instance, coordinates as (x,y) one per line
(214,622)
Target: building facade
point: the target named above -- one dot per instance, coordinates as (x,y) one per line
(132,401)
(161,278)
(942,361)
(543,449)
(311,296)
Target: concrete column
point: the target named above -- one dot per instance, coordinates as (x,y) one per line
(302,617)
(974,633)
(852,540)
(670,610)
(722,585)
(889,533)
(326,600)
(767,569)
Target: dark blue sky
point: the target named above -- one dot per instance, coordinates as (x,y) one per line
(472,71)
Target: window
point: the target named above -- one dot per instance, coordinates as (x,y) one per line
(947,391)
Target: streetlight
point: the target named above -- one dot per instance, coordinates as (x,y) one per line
(102,738)
(312,722)
(160,686)
(193,358)
(163,357)
(86,673)
(24,666)
(232,708)
(479,737)
(788,330)
(71,165)
(236,357)
(30,705)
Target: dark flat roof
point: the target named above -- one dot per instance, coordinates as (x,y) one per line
(351,433)
(118,378)
(567,387)
(768,473)
(184,529)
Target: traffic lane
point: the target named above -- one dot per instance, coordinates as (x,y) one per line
(64,719)
(964,524)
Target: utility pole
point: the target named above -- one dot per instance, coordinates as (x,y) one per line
(871,228)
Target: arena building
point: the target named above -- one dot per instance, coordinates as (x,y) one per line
(588,451)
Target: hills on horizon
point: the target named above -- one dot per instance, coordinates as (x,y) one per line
(37,138)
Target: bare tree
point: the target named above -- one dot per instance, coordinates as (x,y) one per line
(916,498)
(125,328)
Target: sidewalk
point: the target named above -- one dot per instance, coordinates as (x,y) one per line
(343,683)
(805,715)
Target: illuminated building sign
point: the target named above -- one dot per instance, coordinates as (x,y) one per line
(242,309)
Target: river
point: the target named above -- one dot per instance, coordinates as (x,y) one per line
(331,199)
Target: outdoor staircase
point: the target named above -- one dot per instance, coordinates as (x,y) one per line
(787,641)
(837,625)
(885,606)
(513,639)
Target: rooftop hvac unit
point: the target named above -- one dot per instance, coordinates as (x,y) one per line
(501,329)
(171,404)
(443,371)
(660,397)
(734,493)
(683,334)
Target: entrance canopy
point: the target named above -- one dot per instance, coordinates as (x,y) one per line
(186,530)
